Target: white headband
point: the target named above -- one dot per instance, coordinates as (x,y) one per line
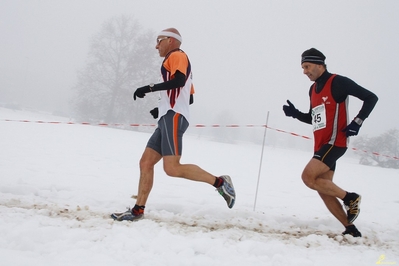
(171,34)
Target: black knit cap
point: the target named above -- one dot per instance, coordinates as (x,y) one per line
(313,56)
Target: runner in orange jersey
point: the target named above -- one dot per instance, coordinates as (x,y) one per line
(166,142)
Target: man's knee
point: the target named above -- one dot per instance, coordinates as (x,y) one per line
(314,171)
(171,170)
(308,179)
(172,166)
(149,158)
(146,164)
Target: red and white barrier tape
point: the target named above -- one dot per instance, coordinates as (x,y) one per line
(196,125)
(377,154)
(75,123)
(153,125)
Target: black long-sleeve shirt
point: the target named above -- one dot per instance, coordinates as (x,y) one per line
(341,88)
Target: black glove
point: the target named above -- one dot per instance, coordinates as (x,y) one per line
(155,112)
(290,110)
(140,92)
(352,129)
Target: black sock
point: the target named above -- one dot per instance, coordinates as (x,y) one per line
(347,197)
(138,209)
(218,182)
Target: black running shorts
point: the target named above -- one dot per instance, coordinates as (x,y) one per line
(329,154)
(167,138)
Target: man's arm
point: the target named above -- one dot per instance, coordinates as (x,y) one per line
(178,81)
(305,117)
(290,110)
(343,86)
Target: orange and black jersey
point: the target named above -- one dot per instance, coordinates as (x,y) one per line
(177,89)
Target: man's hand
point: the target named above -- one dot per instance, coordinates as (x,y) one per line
(140,92)
(155,112)
(290,110)
(352,129)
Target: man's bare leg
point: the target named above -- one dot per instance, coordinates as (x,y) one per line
(332,203)
(147,162)
(318,176)
(193,172)
(312,177)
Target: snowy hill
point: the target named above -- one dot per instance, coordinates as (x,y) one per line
(60,182)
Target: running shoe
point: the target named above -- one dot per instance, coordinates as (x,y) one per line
(353,207)
(128,215)
(227,191)
(352,230)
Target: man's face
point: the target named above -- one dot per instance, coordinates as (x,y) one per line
(313,71)
(162,45)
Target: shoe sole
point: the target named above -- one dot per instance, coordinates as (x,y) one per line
(116,217)
(227,179)
(232,203)
(358,212)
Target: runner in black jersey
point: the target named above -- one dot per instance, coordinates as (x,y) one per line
(328,113)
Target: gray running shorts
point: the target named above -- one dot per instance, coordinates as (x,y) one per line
(167,138)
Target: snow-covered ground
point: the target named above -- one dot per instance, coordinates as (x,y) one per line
(60,182)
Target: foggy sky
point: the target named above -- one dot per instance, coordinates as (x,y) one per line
(245,55)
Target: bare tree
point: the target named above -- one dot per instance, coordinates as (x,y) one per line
(121,58)
(382,150)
